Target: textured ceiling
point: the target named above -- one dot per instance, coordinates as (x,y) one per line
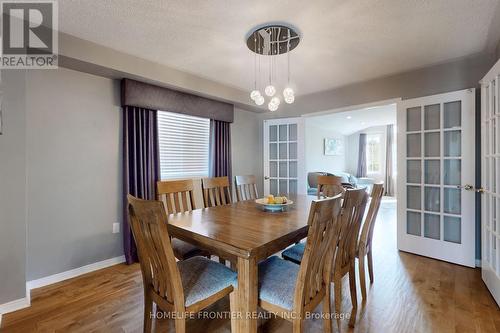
(344,41)
(350,122)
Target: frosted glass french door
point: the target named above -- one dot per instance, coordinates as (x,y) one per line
(284,157)
(436,172)
(490,181)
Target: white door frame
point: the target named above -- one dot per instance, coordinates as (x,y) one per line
(301,169)
(463,253)
(490,181)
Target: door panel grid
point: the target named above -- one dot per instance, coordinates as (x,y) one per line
(491,177)
(435,161)
(438,154)
(283,157)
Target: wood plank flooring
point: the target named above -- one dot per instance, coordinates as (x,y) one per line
(410,294)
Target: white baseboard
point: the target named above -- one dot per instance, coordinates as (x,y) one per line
(45,281)
(14,305)
(51,279)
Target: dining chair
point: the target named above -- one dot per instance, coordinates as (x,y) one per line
(365,239)
(216,191)
(178,197)
(291,291)
(246,187)
(353,209)
(182,287)
(329,186)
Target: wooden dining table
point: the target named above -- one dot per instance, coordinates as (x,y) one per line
(244,234)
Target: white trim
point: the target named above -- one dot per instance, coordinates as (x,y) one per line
(51,279)
(492,74)
(45,281)
(15,305)
(354,107)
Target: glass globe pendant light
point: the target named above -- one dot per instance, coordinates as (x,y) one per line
(288,92)
(259,100)
(270,90)
(271,41)
(289,99)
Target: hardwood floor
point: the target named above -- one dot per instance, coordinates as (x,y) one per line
(410,294)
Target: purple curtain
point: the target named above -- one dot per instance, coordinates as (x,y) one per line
(141,165)
(362,156)
(220,149)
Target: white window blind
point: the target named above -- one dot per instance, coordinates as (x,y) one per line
(184,144)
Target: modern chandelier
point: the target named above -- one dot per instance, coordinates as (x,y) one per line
(271,41)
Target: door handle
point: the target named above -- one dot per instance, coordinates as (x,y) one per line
(266,178)
(469,187)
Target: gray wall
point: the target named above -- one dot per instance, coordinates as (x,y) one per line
(73,170)
(12,188)
(247,145)
(454,75)
(316,160)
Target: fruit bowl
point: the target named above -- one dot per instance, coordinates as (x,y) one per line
(270,205)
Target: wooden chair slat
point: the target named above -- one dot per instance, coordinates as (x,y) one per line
(216,191)
(329,186)
(365,239)
(177,194)
(353,209)
(246,188)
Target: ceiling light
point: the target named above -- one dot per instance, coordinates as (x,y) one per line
(254,94)
(270,90)
(271,41)
(287,92)
(275,100)
(259,100)
(348,117)
(272,106)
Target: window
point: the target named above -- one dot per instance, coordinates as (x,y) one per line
(373,153)
(184,145)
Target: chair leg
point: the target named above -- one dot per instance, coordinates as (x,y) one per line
(148,313)
(362,280)
(233,306)
(337,287)
(180,325)
(233,266)
(222,261)
(327,311)
(354,296)
(298,325)
(370,265)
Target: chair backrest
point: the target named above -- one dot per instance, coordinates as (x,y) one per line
(176,195)
(353,209)
(246,187)
(366,236)
(216,191)
(329,186)
(160,273)
(316,264)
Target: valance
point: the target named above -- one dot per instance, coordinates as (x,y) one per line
(145,95)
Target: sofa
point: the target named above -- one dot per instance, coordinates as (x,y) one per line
(347,178)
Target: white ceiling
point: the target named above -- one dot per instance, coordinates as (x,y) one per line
(344,41)
(349,122)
